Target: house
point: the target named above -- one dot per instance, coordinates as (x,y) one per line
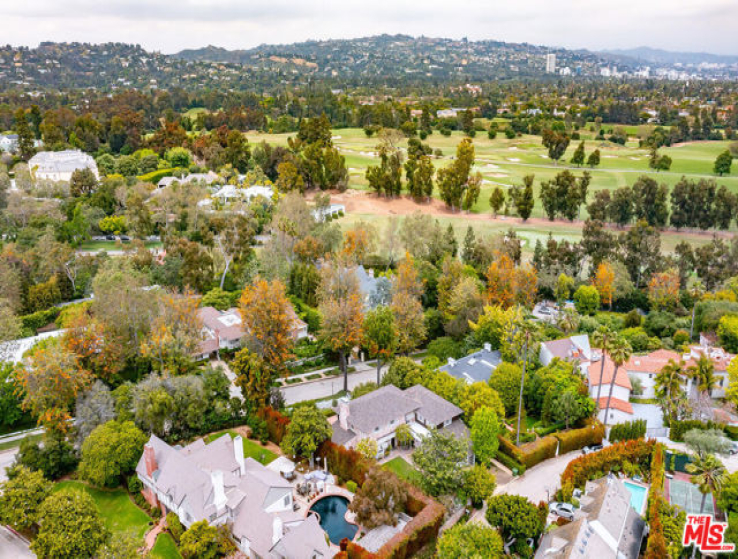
(575,349)
(59,165)
(620,407)
(223,330)
(334,210)
(368,285)
(207,178)
(228,193)
(609,528)
(8,143)
(377,415)
(214,482)
(475,367)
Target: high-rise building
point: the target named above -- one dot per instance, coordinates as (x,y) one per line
(550,63)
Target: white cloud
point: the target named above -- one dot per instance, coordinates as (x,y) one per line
(171,25)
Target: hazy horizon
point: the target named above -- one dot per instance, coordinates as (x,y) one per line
(167,26)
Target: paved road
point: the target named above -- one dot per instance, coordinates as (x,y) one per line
(233,390)
(7,457)
(535,481)
(327,387)
(12,546)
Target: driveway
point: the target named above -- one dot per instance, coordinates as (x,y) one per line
(327,387)
(13,546)
(651,413)
(7,457)
(541,482)
(233,390)
(730,461)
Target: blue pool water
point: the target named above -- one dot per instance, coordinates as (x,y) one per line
(637,495)
(331,512)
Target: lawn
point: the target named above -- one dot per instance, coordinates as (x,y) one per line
(403,470)
(16,443)
(117,510)
(164,548)
(251,449)
(95,246)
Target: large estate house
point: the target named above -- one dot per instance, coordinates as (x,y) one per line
(607,527)
(224,330)
(575,349)
(59,165)
(620,407)
(214,482)
(476,367)
(377,415)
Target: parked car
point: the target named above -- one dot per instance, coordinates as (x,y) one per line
(564,510)
(109,237)
(591,448)
(125,238)
(733,448)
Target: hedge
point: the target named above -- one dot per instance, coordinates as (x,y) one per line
(276,423)
(30,323)
(155,176)
(510,462)
(731,431)
(347,464)
(679,428)
(657,546)
(597,464)
(628,430)
(579,438)
(529,454)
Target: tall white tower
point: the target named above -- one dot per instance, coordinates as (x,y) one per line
(550,63)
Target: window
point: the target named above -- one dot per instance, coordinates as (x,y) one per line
(650,376)
(376,429)
(392,422)
(287,500)
(447,423)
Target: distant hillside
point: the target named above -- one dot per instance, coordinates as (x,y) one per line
(658,56)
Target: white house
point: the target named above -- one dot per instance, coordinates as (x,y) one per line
(214,482)
(229,193)
(59,165)
(620,408)
(9,142)
(575,349)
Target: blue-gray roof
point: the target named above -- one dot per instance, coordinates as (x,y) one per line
(475,367)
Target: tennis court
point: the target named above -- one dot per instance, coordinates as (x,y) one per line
(688,497)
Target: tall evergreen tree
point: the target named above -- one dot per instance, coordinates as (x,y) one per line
(578,157)
(25,135)
(524,201)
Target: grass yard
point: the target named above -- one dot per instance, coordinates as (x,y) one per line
(164,548)
(403,470)
(251,449)
(117,510)
(96,246)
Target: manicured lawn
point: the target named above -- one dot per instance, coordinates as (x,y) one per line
(403,470)
(251,449)
(164,548)
(117,510)
(91,246)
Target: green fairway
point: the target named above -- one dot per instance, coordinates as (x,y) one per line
(117,510)
(403,470)
(164,548)
(251,449)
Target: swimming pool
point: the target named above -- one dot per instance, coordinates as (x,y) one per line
(331,514)
(637,496)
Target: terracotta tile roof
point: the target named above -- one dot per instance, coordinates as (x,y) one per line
(593,372)
(653,362)
(616,404)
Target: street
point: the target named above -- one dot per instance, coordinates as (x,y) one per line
(7,457)
(13,546)
(326,387)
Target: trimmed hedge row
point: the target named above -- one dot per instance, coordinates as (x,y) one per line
(679,428)
(347,464)
(30,323)
(579,438)
(657,546)
(155,176)
(510,462)
(628,430)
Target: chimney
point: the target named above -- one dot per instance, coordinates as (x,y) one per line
(238,453)
(277,531)
(219,497)
(487,347)
(150,460)
(451,361)
(343,414)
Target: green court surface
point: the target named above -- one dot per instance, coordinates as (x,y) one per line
(688,497)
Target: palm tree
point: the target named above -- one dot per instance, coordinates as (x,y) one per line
(708,474)
(704,374)
(601,338)
(620,351)
(669,384)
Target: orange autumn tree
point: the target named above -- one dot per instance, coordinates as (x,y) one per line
(98,350)
(663,289)
(604,281)
(268,319)
(526,286)
(175,333)
(406,305)
(501,281)
(358,242)
(50,381)
(342,309)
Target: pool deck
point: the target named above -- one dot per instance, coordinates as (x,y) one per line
(332,491)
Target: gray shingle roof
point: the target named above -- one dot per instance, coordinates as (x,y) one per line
(475,367)
(377,408)
(433,408)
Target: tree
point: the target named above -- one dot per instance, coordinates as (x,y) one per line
(594,158)
(578,157)
(603,281)
(501,284)
(469,539)
(200,541)
(51,381)
(381,498)
(619,351)
(708,474)
(496,200)
(268,321)
(485,426)
(94,407)
(650,201)
(663,290)
(514,516)
(556,143)
(82,182)
(566,408)
(438,460)
(25,135)
(253,377)
(587,299)
(668,386)
(506,382)
(235,234)
(342,309)
(21,497)
(454,180)
(70,526)
(723,162)
(406,306)
(305,432)
(703,375)
(465,306)
(708,441)
(110,452)
(380,336)
(479,484)
(368,448)
(523,198)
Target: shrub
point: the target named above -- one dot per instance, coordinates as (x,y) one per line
(30,323)
(134,485)
(586,299)
(632,319)
(155,176)
(351,486)
(509,462)
(276,424)
(629,430)
(536,452)
(679,428)
(578,438)
(681,337)
(445,347)
(345,463)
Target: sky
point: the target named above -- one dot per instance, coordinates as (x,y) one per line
(171,25)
